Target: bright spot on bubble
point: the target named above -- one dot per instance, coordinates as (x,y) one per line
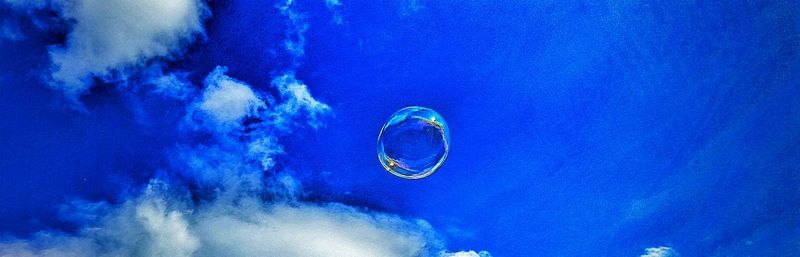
(413,143)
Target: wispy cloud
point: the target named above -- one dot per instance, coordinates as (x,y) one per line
(336,9)
(661,251)
(174,85)
(297,101)
(297,26)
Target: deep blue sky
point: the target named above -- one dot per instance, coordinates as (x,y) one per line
(578,128)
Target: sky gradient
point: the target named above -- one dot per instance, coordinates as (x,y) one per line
(249,128)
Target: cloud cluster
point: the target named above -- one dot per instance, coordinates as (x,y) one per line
(220,194)
(165,220)
(108,37)
(243,127)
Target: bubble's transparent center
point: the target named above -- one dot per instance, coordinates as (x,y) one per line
(413,143)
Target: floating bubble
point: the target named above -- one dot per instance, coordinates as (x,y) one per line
(413,143)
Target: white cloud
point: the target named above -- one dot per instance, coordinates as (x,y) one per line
(157,224)
(309,230)
(150,225)
(468,254)
(226,101)
(111,36)
(168,230)
(661,251)
(264,149)
(296,101)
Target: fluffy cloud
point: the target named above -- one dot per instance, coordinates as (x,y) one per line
(309,230)
(661,251)
(108,37)
(226,101)
(158,224)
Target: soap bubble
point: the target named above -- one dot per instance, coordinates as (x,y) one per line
(413,143)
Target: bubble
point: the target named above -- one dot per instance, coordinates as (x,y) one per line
(413,143)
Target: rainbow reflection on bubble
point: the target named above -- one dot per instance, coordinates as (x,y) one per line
(413,143)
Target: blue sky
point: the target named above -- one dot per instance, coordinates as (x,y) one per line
(619,128)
